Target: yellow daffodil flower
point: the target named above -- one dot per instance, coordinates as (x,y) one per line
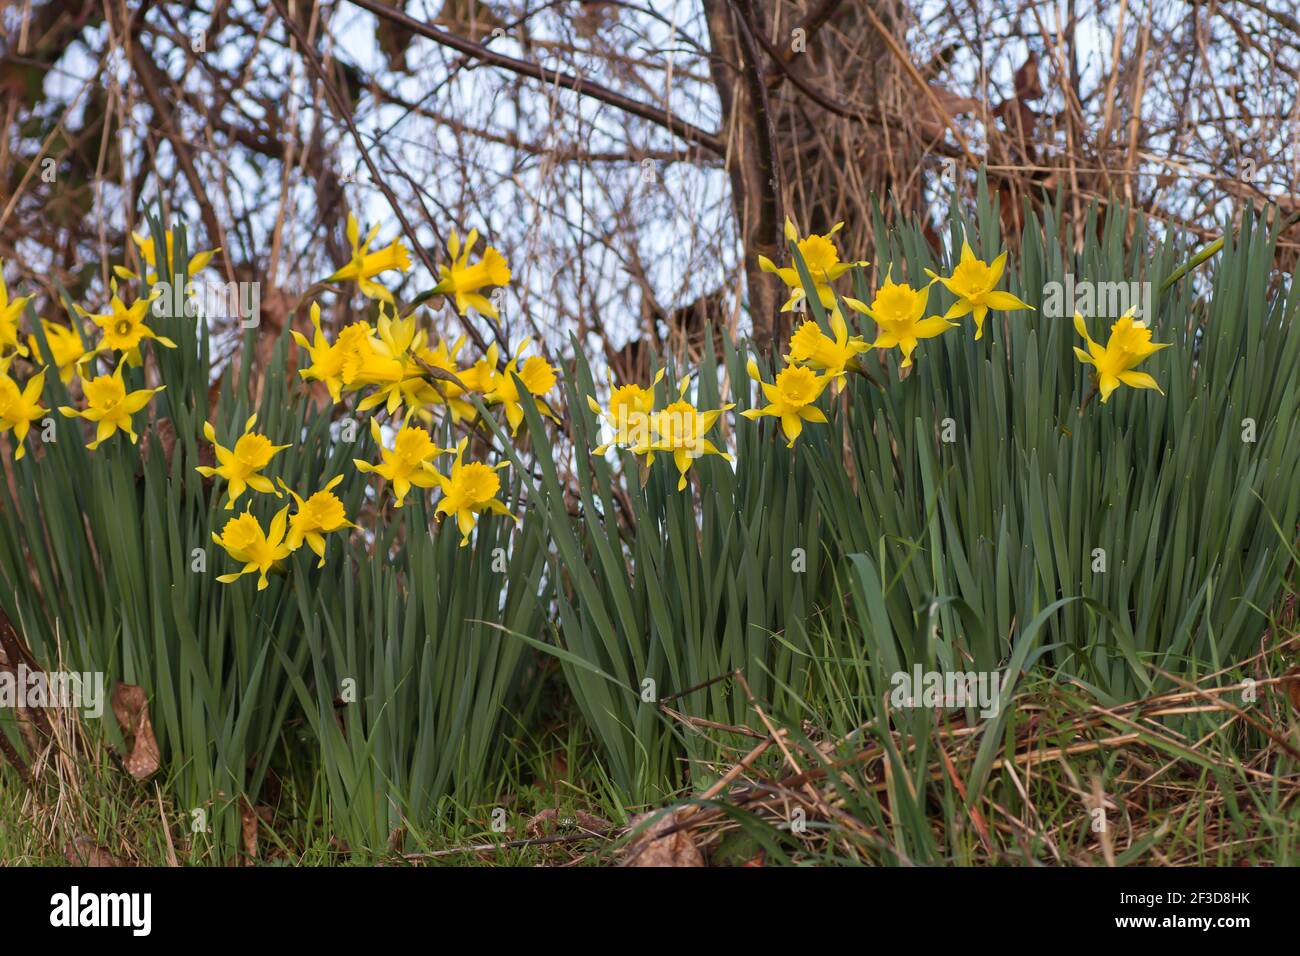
(898,311)
(812,347)
(679,429)
(365,265)
(468,491)
(791,397)
(395,369)
(1129,345)
(822,258)
(11,310)
(480,377)
(449,393)
(407,463)
(19,407)
(242,466)
(124,327)
(144,242)
(351,362)
(537,377)
(110,405)
(465,281)
(243,539)
(316,517)
(628,412)
(972,282)
(326,358)
(361,364)
(67,351)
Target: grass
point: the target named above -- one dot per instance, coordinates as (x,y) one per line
(1191,776)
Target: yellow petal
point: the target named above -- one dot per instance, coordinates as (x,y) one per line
(792,425)
(1005,302)
(1140,380)
(1107,383)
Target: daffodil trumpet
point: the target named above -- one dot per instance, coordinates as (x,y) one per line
(260,552)
(791,398)
(835,354)
(124,328)
(973,282)
(407,464)
(679,430)
(628,414)
(464,282)
(899,313)
(468,491)
(821,259)
(11,310)
(1116,363)
(110,406)
(536,376)
(19,407)
(148,252)
(241,466)
(364,265)
(316,516)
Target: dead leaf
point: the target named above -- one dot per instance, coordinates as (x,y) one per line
(84,852)
(439,374)
(131,708)
(1028,84)
(591,18)
(248,822)
(394,39)
(1291,684)
(551,821)
(469,18)
(397,839)
(655,848)
(932,116)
